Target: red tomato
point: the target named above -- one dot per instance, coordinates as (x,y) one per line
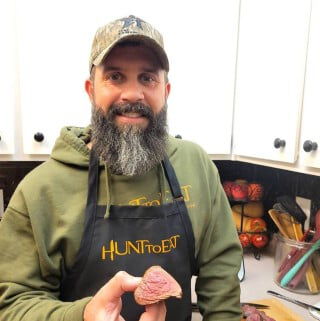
(257,225)
(259,240)
(245,239)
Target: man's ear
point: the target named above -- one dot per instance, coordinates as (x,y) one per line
(89,88)
(167,90)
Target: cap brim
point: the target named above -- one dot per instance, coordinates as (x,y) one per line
(147,41)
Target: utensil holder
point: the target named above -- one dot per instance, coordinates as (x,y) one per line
(287,253)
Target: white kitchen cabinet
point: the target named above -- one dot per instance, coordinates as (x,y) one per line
(53,57)
(310,132)
(54,46)
(271,62)
(203,59)
(8,79)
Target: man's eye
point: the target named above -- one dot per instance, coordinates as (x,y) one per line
(115,77)
(147,78)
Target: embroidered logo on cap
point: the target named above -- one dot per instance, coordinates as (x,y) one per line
(128,21)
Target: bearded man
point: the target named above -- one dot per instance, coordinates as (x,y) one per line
(116,198)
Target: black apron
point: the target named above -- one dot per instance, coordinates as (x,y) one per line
(132,239)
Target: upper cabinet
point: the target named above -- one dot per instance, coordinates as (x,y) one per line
(8,76)
(310,133)
(272,53)
(54,45)
(202,48)
(243,74)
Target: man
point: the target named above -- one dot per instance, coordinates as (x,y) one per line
(120,195)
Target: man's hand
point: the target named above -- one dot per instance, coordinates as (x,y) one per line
(106,304)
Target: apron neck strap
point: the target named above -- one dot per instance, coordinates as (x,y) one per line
(172,179)
(93,179)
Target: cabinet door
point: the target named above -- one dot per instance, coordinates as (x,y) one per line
(310,133)
(8,79)
(54,44)
(55,39)
(203,60)
(270,77)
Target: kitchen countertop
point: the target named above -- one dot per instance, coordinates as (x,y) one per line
(258,279)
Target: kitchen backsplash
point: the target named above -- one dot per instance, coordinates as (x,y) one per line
(276,182)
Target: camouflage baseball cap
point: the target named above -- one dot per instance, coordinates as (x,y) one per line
(128,28)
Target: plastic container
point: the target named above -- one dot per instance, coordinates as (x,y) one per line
(287,255)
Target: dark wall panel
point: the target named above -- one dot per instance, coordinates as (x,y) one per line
(11,173)
(276,182)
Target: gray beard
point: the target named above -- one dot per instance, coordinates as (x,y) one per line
(128,149)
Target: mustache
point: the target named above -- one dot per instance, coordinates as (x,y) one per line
(125,108)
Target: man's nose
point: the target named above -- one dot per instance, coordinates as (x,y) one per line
(132,92)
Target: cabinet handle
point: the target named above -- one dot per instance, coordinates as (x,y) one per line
(279,143)
(178,136)
(309,146)
(38,137)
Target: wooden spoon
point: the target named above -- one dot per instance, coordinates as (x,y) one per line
(286,222)
(274,215)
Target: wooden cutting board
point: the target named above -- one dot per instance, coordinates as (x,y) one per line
(278,310)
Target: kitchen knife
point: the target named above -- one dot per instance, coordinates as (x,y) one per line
(303,304)
(195,308)
(256,305)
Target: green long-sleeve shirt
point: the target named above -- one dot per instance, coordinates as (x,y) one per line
(42,227)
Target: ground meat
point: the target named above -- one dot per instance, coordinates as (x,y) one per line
(156,285)
(254,317)
(253,314)
(248,309)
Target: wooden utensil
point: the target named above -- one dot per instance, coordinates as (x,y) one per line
(285,221)
(297,229)
(274,215)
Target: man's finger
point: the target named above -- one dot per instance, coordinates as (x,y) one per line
(122,282)
(154,312)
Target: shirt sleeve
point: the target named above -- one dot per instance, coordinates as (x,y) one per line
(218,260)
(27,292)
